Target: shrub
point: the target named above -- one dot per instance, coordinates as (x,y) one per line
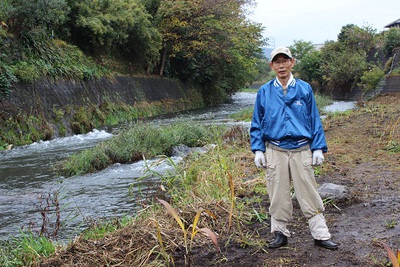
(392,40)
(26,72)
(371,78)
(7,77)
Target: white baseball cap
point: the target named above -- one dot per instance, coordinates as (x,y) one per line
(280,50)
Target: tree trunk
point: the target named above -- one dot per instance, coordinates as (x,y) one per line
(163,59)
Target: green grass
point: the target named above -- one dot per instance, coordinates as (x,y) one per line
(206,176)
(249,90)
(138,142)
(57,60)
(322,101)
(99,230)
(243,115)
(25,250)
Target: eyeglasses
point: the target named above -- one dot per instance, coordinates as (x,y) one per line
(284,62)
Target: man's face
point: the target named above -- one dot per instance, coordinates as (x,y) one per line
(282,65)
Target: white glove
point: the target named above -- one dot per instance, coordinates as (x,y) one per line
(317,157)
(259,160)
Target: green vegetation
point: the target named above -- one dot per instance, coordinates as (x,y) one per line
(358,59)
(100,229)
(230,193)
(29,248)
(137,142)
(24,129)
(243,115)
(395,71)
(84,119)
(371,78)
(215,47)
(322,101)
(25,250)
(392,39)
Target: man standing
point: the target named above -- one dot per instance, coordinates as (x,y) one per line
(287,138)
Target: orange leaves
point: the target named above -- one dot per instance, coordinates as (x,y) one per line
(194,227)
(392,256)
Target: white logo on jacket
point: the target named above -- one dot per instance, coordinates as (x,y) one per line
(298,103)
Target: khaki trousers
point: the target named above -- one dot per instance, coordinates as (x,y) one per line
(283,169)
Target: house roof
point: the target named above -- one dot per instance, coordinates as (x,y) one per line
(395,23)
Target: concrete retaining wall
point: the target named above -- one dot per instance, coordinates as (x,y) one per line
(44,95)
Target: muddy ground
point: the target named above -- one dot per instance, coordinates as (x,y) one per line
(359,158)
(372,216)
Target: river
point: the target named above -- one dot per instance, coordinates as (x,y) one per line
(28,181)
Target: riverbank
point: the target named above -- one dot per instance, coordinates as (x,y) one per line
(231,192)
(364,155)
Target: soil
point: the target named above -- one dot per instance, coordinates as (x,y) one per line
(358,227)
(358,158)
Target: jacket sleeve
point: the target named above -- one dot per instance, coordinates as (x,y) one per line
(318,140)
(256,141)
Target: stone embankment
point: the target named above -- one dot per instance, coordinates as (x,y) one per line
(392,84)
(50,106)
(46,95)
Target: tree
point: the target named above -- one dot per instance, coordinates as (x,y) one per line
(361,40)
(5,9)
(210,43)
(36,17)
(301,48)
(341,69)
(115,26)
(344,32)
(392,40)
(309,68)
(152,6)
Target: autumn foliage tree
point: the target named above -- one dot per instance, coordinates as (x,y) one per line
(209,43)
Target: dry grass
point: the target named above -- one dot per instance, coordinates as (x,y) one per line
(363,135)
(138,244)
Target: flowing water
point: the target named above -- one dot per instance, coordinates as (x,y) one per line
(27,179)
(339,106)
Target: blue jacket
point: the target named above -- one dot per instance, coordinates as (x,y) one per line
(290,121)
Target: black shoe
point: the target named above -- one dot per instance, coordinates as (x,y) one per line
(279,241)
(329,244)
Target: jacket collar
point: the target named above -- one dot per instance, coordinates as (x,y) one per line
(291,82)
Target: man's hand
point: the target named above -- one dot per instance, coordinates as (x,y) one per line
(259,159)
(317,157)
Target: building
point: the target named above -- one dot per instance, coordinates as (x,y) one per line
(394,24)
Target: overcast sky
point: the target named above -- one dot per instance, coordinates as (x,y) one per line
(317,21)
